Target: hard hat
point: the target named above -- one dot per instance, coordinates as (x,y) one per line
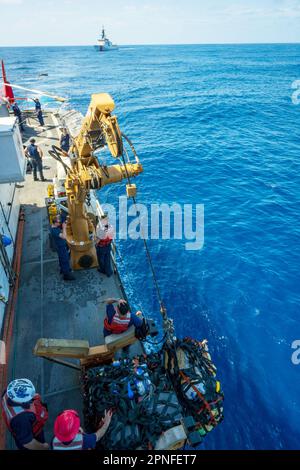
(21,390)
(6,240)
(66,425)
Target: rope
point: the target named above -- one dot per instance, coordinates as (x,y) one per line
(205,403)
(161,304)
(131,145)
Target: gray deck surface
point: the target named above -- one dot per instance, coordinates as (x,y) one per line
(49,307)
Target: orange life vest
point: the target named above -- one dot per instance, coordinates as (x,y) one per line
(9,412)
(119,323)
(105,241)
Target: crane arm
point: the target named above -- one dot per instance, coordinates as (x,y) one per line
(99,127)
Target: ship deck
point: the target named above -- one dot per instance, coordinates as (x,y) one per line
(48,307)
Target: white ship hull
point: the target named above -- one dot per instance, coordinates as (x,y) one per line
(105,48)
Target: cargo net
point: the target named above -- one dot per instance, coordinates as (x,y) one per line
(143,401)
(151,394)
(193,375)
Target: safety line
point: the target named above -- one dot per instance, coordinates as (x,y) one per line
(162,307)
(42,297)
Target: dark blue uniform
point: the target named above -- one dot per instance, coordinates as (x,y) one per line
(38,105)
(36,161)
(40,117)
(65,142)
(18,114)
(62,250)
(104,259)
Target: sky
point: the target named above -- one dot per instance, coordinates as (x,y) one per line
(78,22)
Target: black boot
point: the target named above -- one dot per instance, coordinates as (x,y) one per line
(69,277)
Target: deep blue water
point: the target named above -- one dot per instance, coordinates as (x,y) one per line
(212,125)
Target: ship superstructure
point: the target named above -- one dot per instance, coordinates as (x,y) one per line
(104,44)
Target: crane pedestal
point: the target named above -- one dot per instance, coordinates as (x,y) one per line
(84,258)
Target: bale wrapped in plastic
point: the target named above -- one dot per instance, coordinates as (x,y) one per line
(165,406)
(193,375)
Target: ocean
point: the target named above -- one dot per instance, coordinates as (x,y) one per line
(212,125)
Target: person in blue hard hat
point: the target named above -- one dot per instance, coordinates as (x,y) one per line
(25,415)
(59,236)
(35,155)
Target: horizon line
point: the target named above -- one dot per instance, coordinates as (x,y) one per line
(159,44)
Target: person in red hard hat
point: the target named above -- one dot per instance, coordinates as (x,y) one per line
(68,435)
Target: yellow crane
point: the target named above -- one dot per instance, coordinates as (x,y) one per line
(99,127)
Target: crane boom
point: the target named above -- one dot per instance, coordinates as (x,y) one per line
(99,127)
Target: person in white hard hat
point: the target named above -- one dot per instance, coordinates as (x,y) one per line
(25,415)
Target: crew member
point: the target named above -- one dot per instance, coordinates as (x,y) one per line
(65,140)
(118,319)
(68,435)
(38,110)
(35,155)
(18,114)
(37,103)
(59,236)
(40,117)
(25,415)
(104,238)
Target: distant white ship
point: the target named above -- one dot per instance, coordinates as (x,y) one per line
(104,44)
